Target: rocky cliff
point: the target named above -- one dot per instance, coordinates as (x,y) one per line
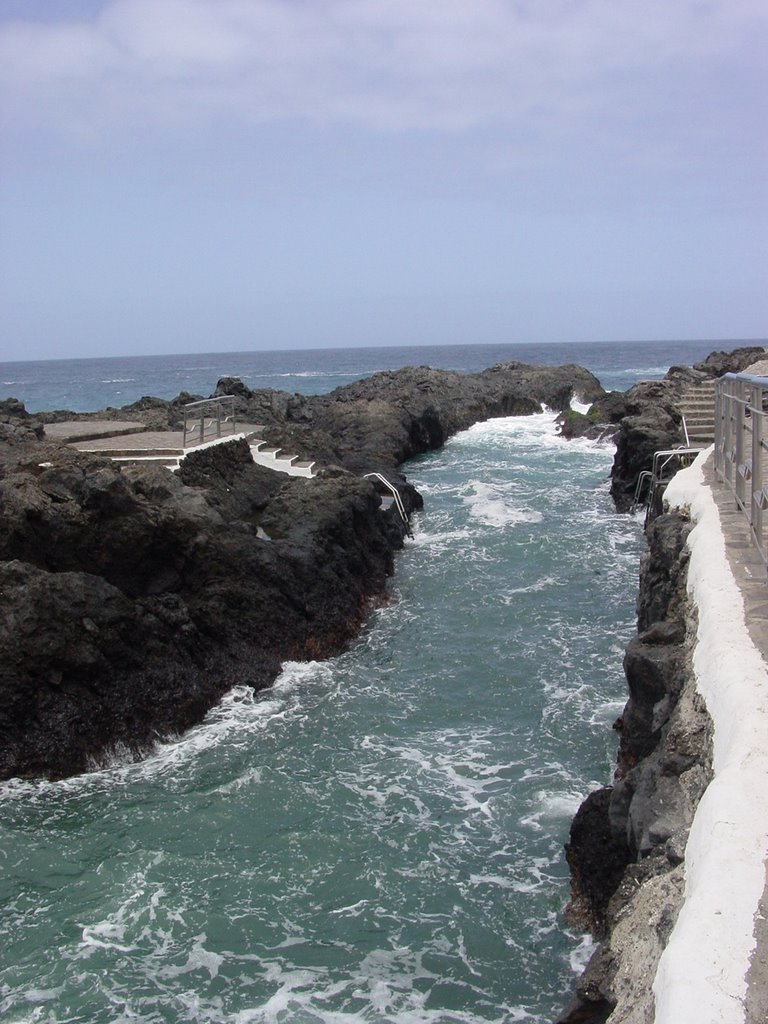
(627,840)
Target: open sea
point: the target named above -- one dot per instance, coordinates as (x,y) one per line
(379,837)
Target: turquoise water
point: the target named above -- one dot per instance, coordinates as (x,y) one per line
(378,837)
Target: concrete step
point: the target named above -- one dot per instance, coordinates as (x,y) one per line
(697,406)
(703,419)
(701,407)
(700,440)
(280,461)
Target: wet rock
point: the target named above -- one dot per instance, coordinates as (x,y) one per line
(597,856)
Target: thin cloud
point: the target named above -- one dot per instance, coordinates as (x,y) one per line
(401,65)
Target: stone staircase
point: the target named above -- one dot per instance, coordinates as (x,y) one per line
(277,459)
(697,407)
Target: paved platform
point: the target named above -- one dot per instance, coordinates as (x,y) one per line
(115,438)
(129,442)
(84,430)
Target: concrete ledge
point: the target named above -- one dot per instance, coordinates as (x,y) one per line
(714,967)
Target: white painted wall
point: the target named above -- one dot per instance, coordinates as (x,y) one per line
(701,977)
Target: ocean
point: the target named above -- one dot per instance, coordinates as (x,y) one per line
(85,385)
(378,837)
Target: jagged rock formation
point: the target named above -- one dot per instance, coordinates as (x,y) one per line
(627,840)
(131,600)
(385,419)
(16,424)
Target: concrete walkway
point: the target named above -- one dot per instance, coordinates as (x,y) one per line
(129,441)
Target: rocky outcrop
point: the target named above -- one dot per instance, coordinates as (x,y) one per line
(735,361)
(600,422)
(131,599)
(382,421)
(154,413)
(16,424)
(627,841)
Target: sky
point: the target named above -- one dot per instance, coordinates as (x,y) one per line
(233,175)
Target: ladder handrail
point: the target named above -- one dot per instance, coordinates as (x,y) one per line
(656,476)
(395,494)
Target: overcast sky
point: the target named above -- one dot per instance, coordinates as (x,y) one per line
(202,175)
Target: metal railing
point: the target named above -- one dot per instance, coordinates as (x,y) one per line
(397,500)
(209,419)
(741,406)
(652,483)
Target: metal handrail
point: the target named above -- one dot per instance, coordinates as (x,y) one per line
(685,431)
(204,420)
(664,466)
(395,495)
(741,407)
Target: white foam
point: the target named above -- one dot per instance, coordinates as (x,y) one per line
(579,957)
(493,505)
(537,432)
(198,959)
(552,805)
(702,972)
(39,995)
(541,584)
(441,539)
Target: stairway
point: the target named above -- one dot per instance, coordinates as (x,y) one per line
(697,407)
(275,458)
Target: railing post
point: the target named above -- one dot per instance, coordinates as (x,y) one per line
(718,429)
(728,431)
(756,489)
(739,459)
